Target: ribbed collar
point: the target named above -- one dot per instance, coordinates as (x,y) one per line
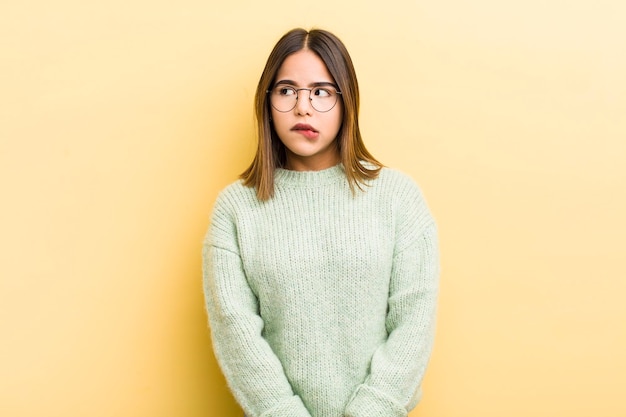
(286,177)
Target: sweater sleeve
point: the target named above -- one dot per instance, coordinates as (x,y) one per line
(397,367)
(252,370)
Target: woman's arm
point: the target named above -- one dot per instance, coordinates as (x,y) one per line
(392,387)
(254,373)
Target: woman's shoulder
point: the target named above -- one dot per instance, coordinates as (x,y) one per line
(235,196)
(407,199)
(395,181)
(401,190)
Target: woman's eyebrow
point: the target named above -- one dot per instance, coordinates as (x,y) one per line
(316,84)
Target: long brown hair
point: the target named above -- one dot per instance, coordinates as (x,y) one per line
(359,164)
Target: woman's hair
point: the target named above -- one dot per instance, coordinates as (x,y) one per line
(359,164)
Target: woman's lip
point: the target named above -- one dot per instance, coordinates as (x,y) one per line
(302,126)
(307,133)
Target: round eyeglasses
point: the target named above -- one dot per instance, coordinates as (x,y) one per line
(284,98)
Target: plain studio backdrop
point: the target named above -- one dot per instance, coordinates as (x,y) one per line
(121,120)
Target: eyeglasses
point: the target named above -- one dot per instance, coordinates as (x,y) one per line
(284,98)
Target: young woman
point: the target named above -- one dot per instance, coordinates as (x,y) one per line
(320,266)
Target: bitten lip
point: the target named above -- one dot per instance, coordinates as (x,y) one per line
(303,126)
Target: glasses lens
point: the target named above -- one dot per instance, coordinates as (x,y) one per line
(323,99)
(283,98)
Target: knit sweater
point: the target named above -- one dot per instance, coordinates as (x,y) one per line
(321,301)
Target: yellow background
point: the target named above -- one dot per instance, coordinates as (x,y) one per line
(121,120)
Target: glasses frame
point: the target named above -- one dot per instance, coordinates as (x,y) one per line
(297,90)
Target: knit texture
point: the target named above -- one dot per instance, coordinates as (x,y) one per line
(322,302)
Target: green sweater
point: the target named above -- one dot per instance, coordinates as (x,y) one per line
(322,302)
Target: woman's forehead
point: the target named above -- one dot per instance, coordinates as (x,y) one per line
(304,68)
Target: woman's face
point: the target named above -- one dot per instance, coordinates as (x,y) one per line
(308,134)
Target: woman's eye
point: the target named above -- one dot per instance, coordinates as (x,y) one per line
(322,92)
(286,91)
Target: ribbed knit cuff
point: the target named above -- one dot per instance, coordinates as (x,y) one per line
(293,407)
(369,402)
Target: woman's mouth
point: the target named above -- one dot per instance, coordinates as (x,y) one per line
(306,130)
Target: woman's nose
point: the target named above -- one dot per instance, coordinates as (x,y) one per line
(303,102)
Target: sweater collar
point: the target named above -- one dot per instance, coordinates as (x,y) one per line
(309,178)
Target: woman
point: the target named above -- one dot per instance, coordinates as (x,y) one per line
(320,265)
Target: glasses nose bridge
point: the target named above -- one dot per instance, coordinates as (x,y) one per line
(298,103)
(310,90)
